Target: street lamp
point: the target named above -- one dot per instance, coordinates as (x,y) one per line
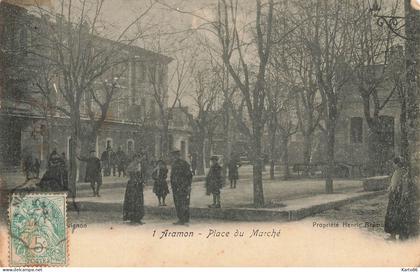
(394,23)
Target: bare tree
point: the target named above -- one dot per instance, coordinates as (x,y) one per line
(179,80)
(280,108)
(373,50)
(252,89)
(330,42)
(226,108)
(287,128)
(206,90)
(299,73)
(71,43)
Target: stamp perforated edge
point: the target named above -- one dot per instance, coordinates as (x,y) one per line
(9,248)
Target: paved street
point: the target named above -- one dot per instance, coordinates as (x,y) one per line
(365,210)
(275,192)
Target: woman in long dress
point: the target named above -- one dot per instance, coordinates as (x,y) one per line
(55,178)
(160,186)
(133,209)
(402,215)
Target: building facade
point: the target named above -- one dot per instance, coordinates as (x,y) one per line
(132,122)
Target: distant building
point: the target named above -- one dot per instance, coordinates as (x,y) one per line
(352,132)
(180,130)
(132,122)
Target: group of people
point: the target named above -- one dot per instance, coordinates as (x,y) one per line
(114,161)
(180,179)
(401,218)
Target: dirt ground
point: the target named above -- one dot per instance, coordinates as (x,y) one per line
(366,210)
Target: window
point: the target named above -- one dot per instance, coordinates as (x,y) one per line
(130,146)
(108,143)
(356,130)
(69,143)
(140,72)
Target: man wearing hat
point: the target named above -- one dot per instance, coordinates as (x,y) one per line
(93,172)
(181,179)
(214,181)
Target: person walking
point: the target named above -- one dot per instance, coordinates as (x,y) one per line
(214,182)
(402,216)
(133,207)
(93,172)
(181,179)
(160,186)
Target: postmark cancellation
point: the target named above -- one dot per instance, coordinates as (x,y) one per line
(37,230)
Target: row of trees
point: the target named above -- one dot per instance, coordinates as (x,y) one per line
(295,66)
(76,69)
(289,70)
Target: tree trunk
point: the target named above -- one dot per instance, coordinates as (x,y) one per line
(164,133)
(307,152)
(404,131)
(272,154)
(50,137)
(201,150)
(257,167)
(329,189)
(227,151)
(73,164)
(75,137)
(87,143)
(373,143)
(164,149)
(285,157)
(272,169)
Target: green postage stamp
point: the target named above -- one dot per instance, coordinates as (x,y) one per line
(38,233)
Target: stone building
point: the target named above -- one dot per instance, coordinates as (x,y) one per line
(132,120)
(353,135)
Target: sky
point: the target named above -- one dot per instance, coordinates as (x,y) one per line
(118,14)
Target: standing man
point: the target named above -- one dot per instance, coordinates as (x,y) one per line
(121,161)
(233,174)
(214,181)
(31,166)
(106,161)
(181,179)
(93,172)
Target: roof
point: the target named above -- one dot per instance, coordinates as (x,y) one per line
(133,49)
(137,50)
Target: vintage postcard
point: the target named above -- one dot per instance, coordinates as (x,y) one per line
(139,133)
